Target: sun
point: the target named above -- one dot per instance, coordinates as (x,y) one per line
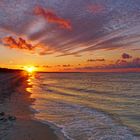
(30,69)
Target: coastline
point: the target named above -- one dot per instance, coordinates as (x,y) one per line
(18,104)
(21,99)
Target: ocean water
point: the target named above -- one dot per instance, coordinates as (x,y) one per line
(88,106)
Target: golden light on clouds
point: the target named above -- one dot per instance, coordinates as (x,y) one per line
(70,36)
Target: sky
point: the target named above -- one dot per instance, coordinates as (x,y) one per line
(70,35)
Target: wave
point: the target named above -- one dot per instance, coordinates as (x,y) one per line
(81,112)
(81,123)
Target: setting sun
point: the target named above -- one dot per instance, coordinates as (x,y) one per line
(30,69)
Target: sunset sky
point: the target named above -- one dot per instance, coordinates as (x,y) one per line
(70,35)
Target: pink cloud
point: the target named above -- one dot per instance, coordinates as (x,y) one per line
(51,17)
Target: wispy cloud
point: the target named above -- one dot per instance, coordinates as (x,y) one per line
(51,17)
(67,65)
(96,60)
(134,63)
(106,26)
(119,64)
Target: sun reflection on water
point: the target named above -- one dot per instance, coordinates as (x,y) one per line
(31,77)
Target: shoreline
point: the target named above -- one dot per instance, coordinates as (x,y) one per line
(57,130)
(18,104)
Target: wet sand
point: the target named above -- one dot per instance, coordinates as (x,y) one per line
(30,130)
(15,102)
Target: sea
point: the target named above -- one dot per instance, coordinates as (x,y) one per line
(88,106)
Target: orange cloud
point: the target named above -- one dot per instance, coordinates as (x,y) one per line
(51,17)
(23,44)
(19,43)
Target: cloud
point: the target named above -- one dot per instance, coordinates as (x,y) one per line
(22,44)
(19,43)
(119,64)
(126,56)
(95,60)
(51,17)
(110,26)
(67,65)
(96,8)
(46,66)
(134,63)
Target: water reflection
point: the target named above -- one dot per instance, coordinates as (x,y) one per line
(74,99)
(31,77)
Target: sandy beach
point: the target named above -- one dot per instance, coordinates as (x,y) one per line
(16,119)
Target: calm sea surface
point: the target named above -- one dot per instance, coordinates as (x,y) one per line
(89,106)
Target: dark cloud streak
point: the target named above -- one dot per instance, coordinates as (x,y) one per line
(96,60)
(126,56)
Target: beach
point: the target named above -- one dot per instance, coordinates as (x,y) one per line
(69,69)
(75,106)
(15,101)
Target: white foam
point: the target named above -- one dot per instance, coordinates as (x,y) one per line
(80,123)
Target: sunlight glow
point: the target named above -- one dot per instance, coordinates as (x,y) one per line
(30,69)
